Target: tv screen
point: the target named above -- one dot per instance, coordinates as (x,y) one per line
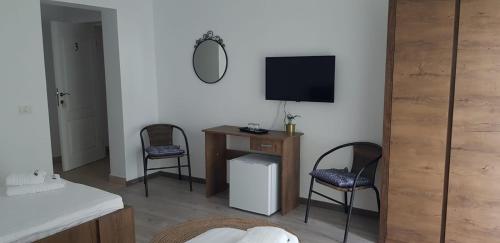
(307,78)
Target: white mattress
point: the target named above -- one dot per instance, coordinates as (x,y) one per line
(31,217)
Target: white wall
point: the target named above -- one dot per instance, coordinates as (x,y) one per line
(25,139)
(131,83)
(355,31)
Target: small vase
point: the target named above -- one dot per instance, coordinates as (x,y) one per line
(290,128)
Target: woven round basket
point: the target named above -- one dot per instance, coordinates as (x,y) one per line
(190,229)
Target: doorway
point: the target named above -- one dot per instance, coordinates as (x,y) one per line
(76,89)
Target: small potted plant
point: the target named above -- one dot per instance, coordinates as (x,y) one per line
(290,126)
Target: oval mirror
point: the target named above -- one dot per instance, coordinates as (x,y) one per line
(210,58)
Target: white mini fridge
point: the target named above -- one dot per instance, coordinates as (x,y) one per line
(254,184)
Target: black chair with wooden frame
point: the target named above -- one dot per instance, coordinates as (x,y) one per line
(362,176)
(161,147)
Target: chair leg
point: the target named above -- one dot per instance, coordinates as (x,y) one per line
(189,173)
(145,177)
(346,205)
(309,200)
(346,232)
(179,167)
(378,197)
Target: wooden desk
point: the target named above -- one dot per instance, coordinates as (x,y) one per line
(275,143)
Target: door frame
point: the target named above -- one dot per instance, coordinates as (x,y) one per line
(114,99)
(391,41)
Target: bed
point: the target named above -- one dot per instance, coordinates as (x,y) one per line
(76,213)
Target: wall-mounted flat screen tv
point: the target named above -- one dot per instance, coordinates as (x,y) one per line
(303,78)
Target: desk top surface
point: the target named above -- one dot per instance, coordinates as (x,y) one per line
(235,131)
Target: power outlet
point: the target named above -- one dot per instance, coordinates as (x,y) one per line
(24,109)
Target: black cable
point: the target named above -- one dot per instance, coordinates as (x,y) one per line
(284,111)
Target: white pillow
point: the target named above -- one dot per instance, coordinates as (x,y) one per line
(219,235)
(267,234)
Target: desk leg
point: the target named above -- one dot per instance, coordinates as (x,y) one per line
(290,174)
(215,163)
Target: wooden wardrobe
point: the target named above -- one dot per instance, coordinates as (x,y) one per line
(441,159)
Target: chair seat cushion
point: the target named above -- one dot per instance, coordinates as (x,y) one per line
(161,151)
(339,178)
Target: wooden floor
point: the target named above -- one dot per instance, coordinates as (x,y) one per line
(170,203)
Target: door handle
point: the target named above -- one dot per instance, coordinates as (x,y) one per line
(62,94)
(59,95)
(266,145)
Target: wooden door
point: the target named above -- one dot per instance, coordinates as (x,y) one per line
(421,77)
(473,213)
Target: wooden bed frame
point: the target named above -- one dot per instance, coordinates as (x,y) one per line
(116,227)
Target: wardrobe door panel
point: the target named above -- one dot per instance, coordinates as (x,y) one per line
(473,212)
(419,119)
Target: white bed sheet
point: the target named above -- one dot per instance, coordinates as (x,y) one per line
(27,218)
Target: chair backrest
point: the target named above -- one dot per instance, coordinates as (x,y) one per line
(363,154)
(159,134)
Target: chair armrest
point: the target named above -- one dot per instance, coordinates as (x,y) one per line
(185,137)
(142,143)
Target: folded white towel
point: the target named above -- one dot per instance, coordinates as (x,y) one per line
(267,234)
(51,182)
(36,177)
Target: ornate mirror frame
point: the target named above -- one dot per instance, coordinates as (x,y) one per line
(209,36)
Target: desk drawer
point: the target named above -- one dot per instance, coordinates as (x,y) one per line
(265,145)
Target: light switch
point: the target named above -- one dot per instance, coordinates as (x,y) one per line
(24,109)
